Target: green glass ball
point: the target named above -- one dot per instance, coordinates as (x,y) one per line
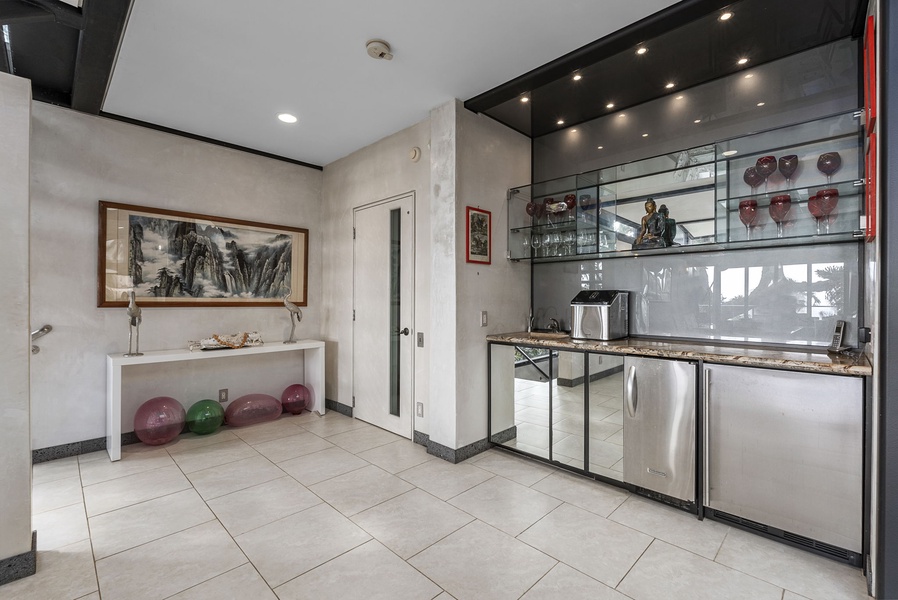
(205,417)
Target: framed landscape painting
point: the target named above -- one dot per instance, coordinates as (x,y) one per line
(172,258)
(480,243)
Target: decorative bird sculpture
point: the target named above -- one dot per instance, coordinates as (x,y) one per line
(134,320)
(295,316)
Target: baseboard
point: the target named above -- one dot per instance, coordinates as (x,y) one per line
(73,449)
(337,407)
(505,435)
(456,456)
(421,438)
(592,377)
(21,565)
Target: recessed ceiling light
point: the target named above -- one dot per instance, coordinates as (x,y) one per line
(573,131)
(670,85)
(750,75)
(621,115)
(560,122)
(761,103)
(609,105)
(599,147)
(730,152)
(679,97)
(578,77)
(697,121)
(525,99)
(742,61)
(287,118)
(645,135)
(641,50)
(725,16)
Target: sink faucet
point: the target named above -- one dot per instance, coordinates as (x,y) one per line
(553,325)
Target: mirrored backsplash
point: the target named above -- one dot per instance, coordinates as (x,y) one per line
(786,295)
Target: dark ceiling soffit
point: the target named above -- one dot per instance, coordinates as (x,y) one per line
(33,11)
(104,25)
(201,138)
(644,29)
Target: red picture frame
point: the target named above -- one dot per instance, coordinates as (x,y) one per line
(870,73)
(479,236)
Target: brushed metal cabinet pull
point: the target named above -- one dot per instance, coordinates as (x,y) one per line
(706,450)
(632,392)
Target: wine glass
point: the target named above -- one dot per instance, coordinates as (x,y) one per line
(536,240)
(779,208)
(787,165)
(766,166)
(569,238)
(548,248)
(821,205)
(752,178)
(525,245)
(530,209)
(748,214)
(828,163)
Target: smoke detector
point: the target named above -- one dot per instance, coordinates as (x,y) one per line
(378,49)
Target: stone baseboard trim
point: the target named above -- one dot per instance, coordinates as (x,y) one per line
(592,377)
(337,407)
(456,456)
(21,565)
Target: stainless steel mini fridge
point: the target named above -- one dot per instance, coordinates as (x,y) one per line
(659,425)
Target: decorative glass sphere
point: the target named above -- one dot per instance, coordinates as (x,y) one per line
(205,417)
(252,409)
(159,420)
(296,398)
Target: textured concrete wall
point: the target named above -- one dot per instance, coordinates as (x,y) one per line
(15,448)
(78,160)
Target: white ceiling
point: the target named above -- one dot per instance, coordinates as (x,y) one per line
(224,69)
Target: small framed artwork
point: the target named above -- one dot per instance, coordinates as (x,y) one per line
(479,237)
(172,258)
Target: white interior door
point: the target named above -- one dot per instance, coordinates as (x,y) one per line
(383,284)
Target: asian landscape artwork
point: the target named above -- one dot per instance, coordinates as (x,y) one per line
(181,259)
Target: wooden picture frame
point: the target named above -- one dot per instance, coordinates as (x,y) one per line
(479,236)
(180,259)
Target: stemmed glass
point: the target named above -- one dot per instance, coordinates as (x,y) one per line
(821,205)
(568,239)
(525,244)
(787,165)
(779,208)
(548,245)
(828,163)
(766,166)
(752,178)
(536,240)
(748,214)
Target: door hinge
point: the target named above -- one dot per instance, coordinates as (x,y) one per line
(353,233)
(353,314)
(353,401)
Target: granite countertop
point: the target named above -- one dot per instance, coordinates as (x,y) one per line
(792,360)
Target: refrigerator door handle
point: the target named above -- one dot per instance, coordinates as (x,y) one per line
(706,451)
(631,392)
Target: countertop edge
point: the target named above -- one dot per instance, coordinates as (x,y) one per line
(789,360)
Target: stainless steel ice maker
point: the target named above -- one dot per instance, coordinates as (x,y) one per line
(600,315)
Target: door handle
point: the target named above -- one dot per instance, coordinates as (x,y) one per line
(631,392)
(403,331)
(706,451)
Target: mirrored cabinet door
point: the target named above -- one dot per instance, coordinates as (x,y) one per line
(519,398)
(606,425)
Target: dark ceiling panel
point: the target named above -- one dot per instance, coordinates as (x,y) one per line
(44,53)
(104,25)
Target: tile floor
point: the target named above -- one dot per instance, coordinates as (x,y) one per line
(330,507)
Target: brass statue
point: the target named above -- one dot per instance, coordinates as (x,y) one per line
(653,230)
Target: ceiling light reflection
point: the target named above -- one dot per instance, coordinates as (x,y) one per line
(725,16)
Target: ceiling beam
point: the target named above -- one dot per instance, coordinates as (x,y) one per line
(62,13)
(17,11)
(104,25)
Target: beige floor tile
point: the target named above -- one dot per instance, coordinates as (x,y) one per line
(359,440)
(533,435)
(131,489)
(60,527)
(61,468)
(94,470)
(566,583)
(506,505)
(523,447)
(443,479)
(215,455)
(265,432)
(617,417)
(478,561)
(589,494)
(62,574)
(445,596)
(91,596)
(169,565)
(671,525)
(368,572)
(192,441)
(218,481)
(291,546)
(617,438)
(787,595)
(665,571)
(397,456)
(536,416)
(411,522)
(55,494)
(322,465)
(600,548)
(292,447)
(125,528)
(242,583)
(262,504)
(354,492)
(519,469)
(332,423)
(804,573)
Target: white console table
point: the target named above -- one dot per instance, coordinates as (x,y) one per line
(115,363)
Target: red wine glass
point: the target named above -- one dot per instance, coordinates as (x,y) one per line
(779,208)
(822,206)
(766,166)
(787,165)
(752,178)
(748,214)
(828,163)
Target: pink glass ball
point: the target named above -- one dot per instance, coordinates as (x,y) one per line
(159,420)
(252,409)
(296,398)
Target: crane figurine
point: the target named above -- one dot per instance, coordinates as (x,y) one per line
(295,316)
(134,320)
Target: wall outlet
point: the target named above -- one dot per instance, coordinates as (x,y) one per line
(223,395)
(419,409)
(483,318)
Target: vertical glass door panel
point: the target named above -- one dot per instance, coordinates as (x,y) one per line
(605,416)
(519,398)
(395,305)
(569,442)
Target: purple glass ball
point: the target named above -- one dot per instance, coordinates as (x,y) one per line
(159,420)
(296,398)
(252,409)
